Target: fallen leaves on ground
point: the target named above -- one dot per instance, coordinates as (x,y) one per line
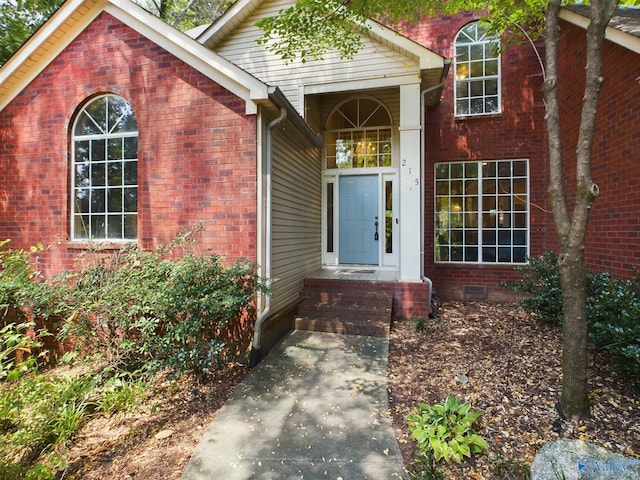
(508,366)
(156,439)
(498,357)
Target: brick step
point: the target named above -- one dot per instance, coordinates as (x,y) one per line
(345,327)
(341,308)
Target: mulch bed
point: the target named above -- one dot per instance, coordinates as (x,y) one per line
(508,365)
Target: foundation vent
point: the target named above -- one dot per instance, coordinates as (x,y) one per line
(475,292)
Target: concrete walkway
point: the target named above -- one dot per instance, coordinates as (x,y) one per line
(314,408)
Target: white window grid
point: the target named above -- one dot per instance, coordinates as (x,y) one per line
(477,88)
(482,212)
(104,177)
(359,148)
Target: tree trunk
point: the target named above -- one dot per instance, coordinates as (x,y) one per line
(575,391)
(572,230)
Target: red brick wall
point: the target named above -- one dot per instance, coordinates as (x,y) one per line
(197,148)
(613,238)
(518,132)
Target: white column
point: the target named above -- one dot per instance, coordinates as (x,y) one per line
(410,199)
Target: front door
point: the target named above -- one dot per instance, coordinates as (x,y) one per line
(359,225)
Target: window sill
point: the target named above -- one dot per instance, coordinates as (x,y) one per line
(100,245)
(478,264)
(480,116)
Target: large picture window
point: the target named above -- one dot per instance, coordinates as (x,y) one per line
(105,171)
(482,211)
(477,71)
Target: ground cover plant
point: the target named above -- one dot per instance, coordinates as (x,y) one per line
(133,316)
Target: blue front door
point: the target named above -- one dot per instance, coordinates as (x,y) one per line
(358,220)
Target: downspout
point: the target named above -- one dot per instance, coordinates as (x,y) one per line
(256,346)
(425,279)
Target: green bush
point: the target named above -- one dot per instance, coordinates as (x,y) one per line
(16,275)
(613,320)
(16,349)
(445,431)
(135,312)
(114,306)
(612,308)
(203,297)
(144,312)
(541,282)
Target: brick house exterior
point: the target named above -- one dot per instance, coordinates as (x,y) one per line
(232,138)
(517,132)
(613,238)
(194,139)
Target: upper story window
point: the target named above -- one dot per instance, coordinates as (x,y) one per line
(482,211)
(359,135)
(104,194)
(477,70)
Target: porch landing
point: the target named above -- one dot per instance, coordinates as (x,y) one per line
(368,275)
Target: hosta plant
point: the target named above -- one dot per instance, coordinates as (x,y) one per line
(445,431)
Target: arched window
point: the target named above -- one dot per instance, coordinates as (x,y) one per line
(105,171)
(477,67)
(359,135)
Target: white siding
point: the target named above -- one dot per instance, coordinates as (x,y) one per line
(296,218)
(241,48)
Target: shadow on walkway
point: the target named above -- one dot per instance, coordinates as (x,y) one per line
(316,407)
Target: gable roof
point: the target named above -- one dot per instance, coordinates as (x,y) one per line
(76,15)
(624,28)
(404,59)
(242,9)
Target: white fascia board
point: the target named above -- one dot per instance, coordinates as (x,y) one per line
(207,62)
(61,29)
(427,58)
(30,60)
(229,18)
(614,35)
(365,84)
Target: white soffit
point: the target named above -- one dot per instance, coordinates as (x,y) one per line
(612,34)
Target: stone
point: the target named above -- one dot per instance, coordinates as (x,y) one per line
(567,459)
(161,435)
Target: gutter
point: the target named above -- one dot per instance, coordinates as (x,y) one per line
(256,347)
(423,93)
(289,113)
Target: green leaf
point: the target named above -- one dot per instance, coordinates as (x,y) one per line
(452,404)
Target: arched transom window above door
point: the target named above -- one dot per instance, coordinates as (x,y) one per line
(358,135)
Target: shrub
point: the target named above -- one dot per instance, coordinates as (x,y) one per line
(15,351)
(114,307)
(144,312)
(202,299)
(16,276)
(445,431)
(541,281)
(612,308)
